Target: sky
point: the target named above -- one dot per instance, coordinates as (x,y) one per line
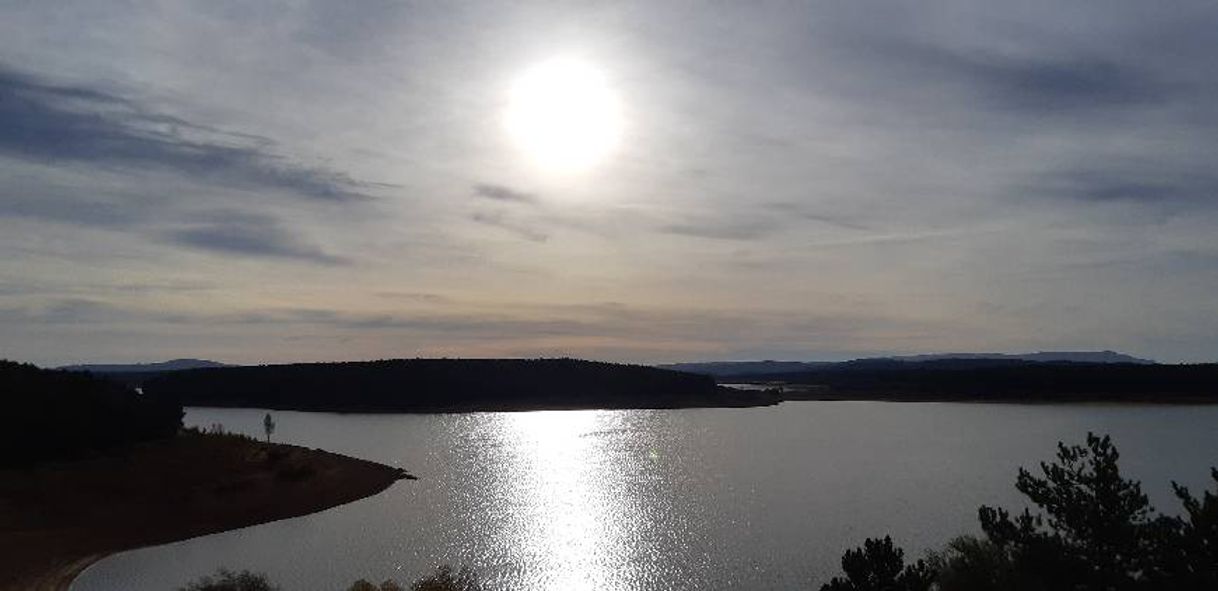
(301,181)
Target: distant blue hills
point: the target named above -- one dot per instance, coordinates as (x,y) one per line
(1045,356)
(171,365)
(721,369)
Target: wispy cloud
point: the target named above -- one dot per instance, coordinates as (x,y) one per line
(48,122)
(1040,84)
(503,193)
(805,212)
(1131,184)
(723,228)
(95,210)
(246,234)
(81,310)
(505,222)
(423,298)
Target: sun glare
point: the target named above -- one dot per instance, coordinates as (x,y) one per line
(564,115)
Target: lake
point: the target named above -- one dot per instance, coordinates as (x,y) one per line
(698,499)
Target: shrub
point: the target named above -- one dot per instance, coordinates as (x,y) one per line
(880,566)
(226,580)
(364,585)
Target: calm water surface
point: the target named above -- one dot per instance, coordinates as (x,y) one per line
(702,499)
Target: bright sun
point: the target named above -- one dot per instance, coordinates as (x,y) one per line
(564,114)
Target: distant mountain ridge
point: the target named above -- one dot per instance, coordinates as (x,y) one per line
(736,368)
(171,365)
(724,369)
(1042,356)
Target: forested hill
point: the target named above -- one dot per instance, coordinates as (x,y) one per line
(440,385)
(55,415)
(1016,381)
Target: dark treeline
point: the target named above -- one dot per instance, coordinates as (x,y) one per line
(1007,380)
(439,385)
(444,579)
(52,415)
(1091,528)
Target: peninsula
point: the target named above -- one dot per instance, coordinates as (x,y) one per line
(91,468)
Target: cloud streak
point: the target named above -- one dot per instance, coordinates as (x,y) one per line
(1156,188)
(502,221)
(47,122)
(245,234)
(503,193)
(1040,84)
(722,229)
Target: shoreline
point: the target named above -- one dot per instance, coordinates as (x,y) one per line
(1039,400)
(57,520)
(789,396)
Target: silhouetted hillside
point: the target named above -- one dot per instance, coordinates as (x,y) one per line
(438,385)
(956,379)
(50,414)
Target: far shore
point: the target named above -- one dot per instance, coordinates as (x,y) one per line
(816,393)
(57,519)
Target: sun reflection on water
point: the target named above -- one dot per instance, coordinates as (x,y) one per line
(570,524)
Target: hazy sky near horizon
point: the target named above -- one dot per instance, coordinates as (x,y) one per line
(292,181)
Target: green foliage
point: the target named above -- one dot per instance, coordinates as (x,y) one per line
(1094,529)
(880,566)
(226,580)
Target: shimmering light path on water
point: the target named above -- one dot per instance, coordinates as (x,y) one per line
(701,499)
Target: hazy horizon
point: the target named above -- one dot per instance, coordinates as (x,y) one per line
(159,361)
(638,182)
